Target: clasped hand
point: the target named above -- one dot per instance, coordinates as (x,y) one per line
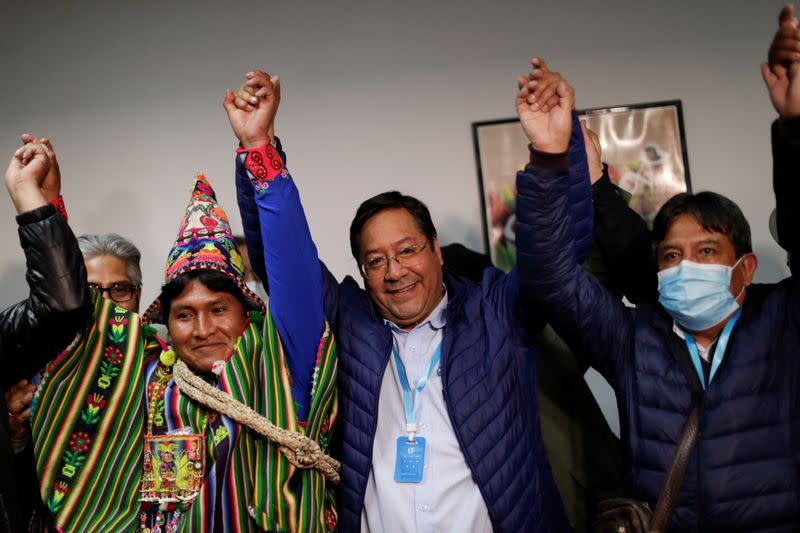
(544,104)
(33,176)
(251,111)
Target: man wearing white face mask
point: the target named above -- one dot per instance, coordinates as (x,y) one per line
(705,262)
(716,342)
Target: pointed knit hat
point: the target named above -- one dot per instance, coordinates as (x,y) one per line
(204,242)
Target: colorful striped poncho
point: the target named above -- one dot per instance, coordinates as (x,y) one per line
(91,414)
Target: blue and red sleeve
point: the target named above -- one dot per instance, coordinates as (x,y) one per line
(291,263)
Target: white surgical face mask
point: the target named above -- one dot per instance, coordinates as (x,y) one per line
(697,295)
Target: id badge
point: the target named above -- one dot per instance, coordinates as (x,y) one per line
(409,464)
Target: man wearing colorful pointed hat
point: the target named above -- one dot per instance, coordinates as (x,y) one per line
(225,429)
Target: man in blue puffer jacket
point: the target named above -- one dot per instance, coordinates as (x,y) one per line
(465,453)
(715,339)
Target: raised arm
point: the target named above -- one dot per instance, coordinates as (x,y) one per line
(622,251)
(245,196)
(289,255)
(782,78)
(541,96)
(579,308)
(34,330)
(248,210)
(786,161)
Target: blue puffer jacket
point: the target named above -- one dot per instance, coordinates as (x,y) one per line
(488,371)
(743,474)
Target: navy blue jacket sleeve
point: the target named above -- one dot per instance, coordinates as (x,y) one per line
(589,317)
(294,276)
(580,192)
(579,219)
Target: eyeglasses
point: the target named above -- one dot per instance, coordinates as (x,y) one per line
(119,292)
(407,256)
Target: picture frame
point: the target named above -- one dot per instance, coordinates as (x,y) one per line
(643,144)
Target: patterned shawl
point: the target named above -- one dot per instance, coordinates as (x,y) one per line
(90,414)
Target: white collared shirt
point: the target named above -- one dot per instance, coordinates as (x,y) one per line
(447,499)
(703,352)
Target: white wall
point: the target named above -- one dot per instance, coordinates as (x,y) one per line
(376,96)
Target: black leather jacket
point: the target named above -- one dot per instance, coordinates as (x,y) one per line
(36,329)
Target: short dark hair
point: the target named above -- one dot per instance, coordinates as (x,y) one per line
(215,281)
(712,211)
(390,200)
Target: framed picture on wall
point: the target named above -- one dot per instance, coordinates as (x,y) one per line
(644,146)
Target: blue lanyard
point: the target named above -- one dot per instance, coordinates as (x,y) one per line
(410,404)
(719,351)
